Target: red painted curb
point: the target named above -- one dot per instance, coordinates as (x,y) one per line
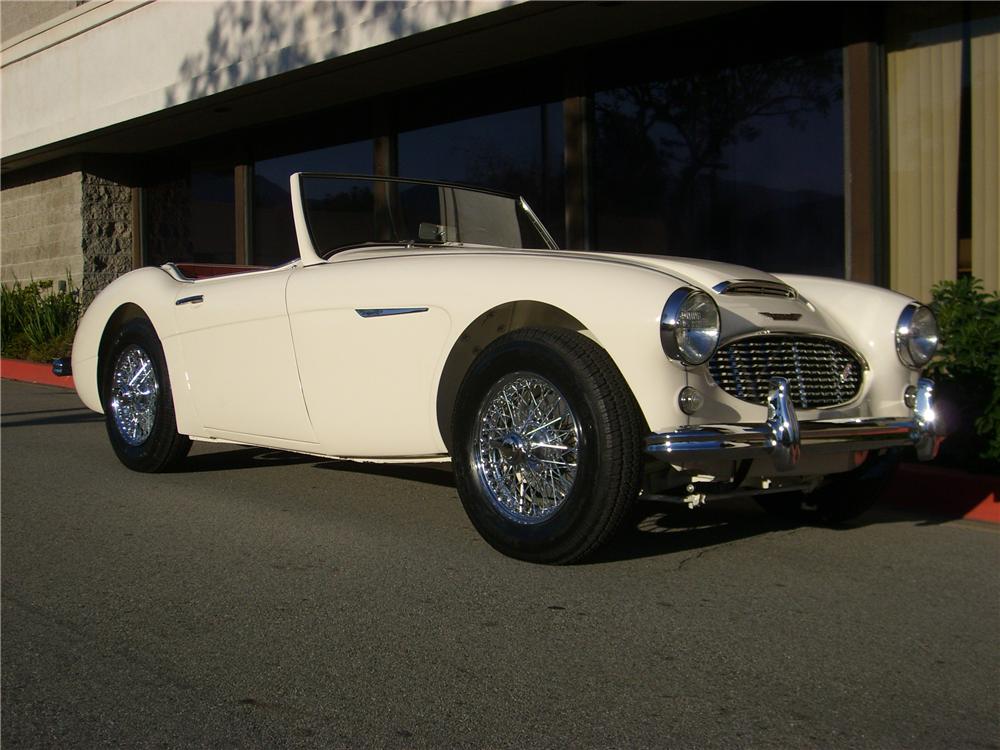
(946,492)
(33,372)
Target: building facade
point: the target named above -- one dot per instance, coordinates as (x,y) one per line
(855,140)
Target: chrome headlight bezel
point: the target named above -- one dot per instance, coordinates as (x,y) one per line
(917,336)
(676,327)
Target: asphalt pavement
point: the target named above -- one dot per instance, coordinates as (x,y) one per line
(262,599)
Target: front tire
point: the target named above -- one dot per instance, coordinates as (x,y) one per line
(138,404)
(547,449)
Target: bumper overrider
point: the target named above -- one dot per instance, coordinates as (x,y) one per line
(783,437)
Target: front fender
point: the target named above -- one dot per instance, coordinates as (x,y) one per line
(618,305)
(147,291)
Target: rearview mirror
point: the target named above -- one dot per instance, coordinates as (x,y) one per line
(428,232)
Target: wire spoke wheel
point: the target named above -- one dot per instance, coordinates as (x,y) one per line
(134,394)
(547,445)
(525,447)
(138,404)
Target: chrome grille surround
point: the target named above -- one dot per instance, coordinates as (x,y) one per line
(821,372)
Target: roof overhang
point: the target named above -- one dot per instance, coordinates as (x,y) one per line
(126,77)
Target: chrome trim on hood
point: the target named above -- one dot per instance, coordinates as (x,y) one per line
(755,288)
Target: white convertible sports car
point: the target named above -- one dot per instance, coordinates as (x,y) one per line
(427,321)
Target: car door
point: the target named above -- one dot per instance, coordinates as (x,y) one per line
(370,342)
(239,361)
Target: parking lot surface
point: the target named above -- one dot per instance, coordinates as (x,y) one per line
(262,599)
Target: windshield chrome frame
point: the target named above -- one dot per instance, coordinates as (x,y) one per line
(539,226)
(518,200)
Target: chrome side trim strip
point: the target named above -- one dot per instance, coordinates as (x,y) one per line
(381,312)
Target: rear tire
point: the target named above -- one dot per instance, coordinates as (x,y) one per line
(138,404)
(547,450)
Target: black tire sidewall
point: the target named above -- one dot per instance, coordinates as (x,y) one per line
(152,454)
(559,535)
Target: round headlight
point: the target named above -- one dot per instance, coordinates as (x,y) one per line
(689,326)
(916,336)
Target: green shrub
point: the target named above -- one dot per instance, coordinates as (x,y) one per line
(37,323)
(969,357)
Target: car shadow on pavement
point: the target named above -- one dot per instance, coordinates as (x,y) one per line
(59,416)
(241,458)
(438,474)
(656,528)
(659,529)
(652,528)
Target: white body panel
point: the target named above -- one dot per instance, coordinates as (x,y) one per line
(237,346)
(373,382)
(283,358)
(868,315)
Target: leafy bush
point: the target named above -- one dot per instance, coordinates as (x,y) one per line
(967,366)
(37,323)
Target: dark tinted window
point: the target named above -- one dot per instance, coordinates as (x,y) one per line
(518,151)
(190,216)
(739,161)
(274,230)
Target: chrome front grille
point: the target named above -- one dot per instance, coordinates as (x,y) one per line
(820,372)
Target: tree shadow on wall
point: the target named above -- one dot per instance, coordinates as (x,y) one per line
(253,41)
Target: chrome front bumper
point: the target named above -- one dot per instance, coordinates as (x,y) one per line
(783,437)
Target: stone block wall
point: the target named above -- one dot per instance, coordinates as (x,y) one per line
(106,231)
(40,229)
(74,220)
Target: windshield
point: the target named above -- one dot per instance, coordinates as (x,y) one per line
(347,211)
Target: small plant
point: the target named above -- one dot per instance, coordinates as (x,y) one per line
(968,363)
(37,323)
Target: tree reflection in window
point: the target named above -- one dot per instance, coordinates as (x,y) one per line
(743,164)
(517,151)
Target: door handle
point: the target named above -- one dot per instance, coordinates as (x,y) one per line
(195,298)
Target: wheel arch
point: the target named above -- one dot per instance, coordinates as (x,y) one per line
(148,293)
(122,315)
(483,331)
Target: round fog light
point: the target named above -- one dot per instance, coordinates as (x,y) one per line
(691,401)
(910,396)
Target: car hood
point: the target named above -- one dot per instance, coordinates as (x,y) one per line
(702,273)
(743,313)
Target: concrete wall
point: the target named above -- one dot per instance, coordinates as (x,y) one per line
(107,63)
(20,16)
(40,228)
